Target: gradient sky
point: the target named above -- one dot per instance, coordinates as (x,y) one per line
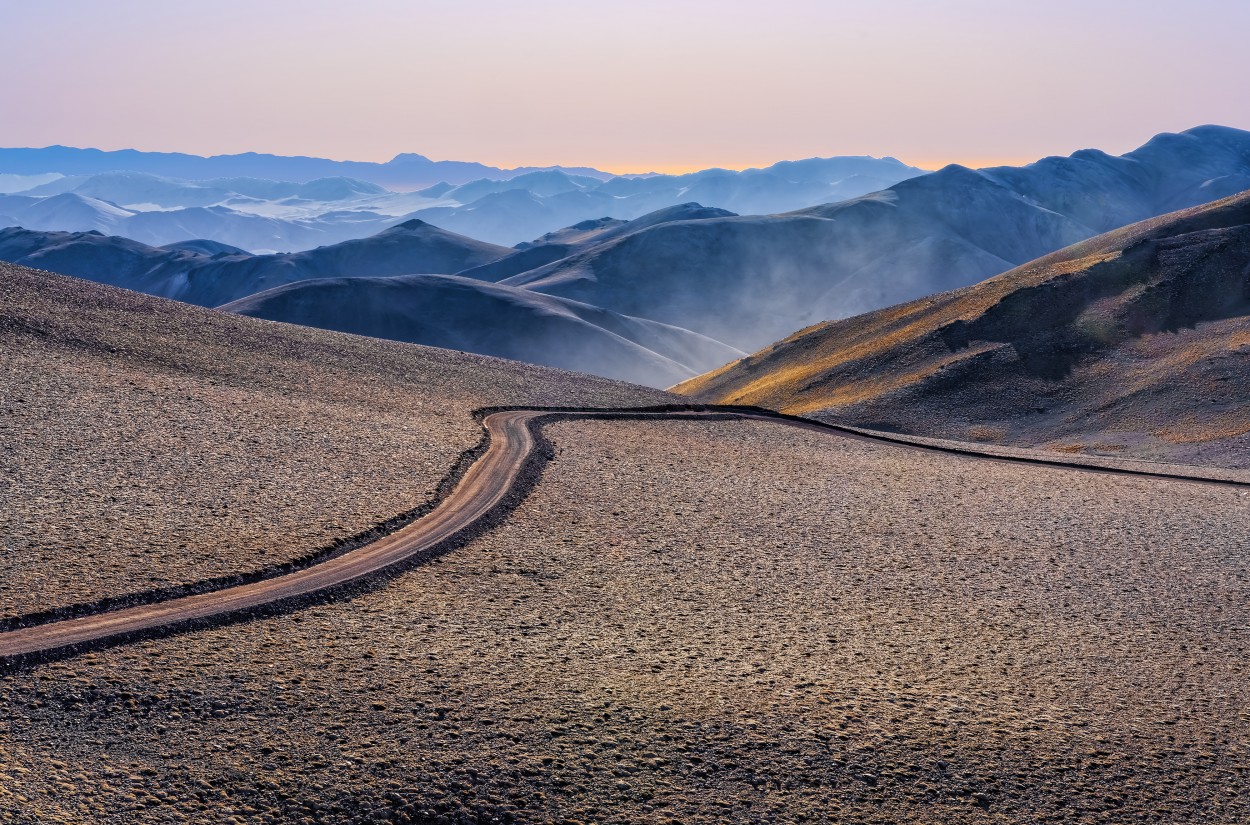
(633,86)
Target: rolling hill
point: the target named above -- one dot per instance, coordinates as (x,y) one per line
(102,258)
(396,285)
(72,211)
(701,621)
(751,280)
(491,319)
(1135,342)
(210,280)
(152,395)
(563,243)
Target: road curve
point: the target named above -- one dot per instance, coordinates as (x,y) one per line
(484,486)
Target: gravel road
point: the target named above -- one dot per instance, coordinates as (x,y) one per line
(708,622)
(485,484)
(684,621)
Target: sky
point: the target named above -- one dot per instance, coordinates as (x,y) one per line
(622,86)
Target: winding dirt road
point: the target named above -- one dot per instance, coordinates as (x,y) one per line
(484,486)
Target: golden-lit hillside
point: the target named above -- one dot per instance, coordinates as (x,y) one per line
(1135,341)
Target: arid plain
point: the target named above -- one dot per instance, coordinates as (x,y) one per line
(684,621)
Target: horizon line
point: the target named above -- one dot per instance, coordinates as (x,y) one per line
(924,163)
(927,164)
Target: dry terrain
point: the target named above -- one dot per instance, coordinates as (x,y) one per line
(148,443)
(684,621)
(707,622)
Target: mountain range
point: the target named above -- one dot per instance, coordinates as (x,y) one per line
(492,319)
(1136,342)
(274,215)
(403,172)
(424,305)
(193,273)
(74,212)
(511,212)
(714,282)
(752,280)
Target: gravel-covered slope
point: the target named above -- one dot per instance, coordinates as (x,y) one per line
(148,443)
(706,622)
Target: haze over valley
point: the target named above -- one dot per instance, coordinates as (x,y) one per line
(292,212)
(718,282)
(624,414)
(1132,343)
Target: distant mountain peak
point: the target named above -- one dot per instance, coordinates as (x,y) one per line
(952,169)
(1208,129)
(437,190)
(1090,154)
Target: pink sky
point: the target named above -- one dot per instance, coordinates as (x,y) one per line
(643,85)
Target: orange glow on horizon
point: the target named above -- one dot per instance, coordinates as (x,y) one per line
(928,164)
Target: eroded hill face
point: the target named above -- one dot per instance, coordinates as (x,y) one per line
(1137,341)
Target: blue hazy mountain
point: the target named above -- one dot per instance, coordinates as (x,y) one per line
(75,212)
(204,247)
(364,286)
(513,211)
(403,172)
(491,319)
(275,215)
(209,274)
(751,280)
(563,243)
(21,183)
(742,280)
(138,188)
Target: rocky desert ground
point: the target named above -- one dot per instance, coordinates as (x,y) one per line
(149,443)
(665,631)
(684,621)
